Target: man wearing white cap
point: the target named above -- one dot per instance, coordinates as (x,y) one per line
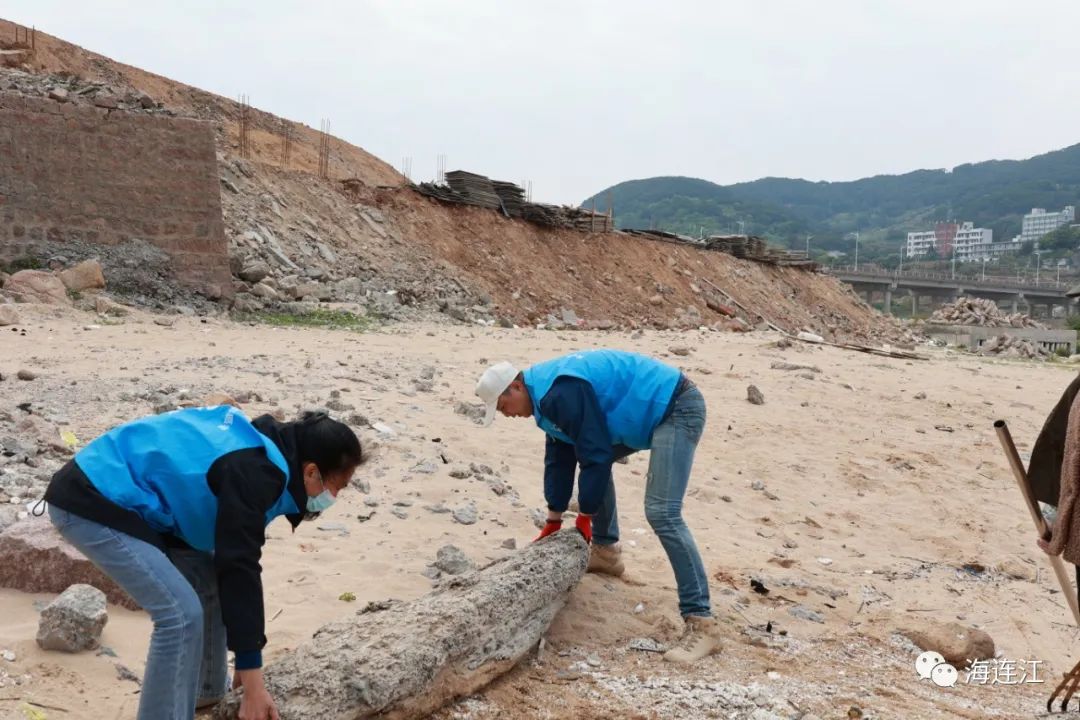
(598,406)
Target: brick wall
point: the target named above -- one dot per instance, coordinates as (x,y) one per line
(78,174)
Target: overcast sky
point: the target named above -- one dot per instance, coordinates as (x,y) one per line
(577,96)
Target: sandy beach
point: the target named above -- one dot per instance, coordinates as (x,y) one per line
(866,512)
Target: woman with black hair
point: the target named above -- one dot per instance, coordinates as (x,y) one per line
(174,508)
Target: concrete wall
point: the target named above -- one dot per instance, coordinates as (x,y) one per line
(80,174)
(973,336)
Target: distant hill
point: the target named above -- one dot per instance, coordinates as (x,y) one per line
(883,208)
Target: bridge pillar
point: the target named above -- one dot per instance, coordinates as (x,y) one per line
(888,301)
(1015,304)
(1070,307)
(914,302)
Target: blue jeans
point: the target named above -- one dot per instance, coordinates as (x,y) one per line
(186,664)
(670,460)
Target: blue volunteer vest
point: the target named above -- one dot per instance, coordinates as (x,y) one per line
(634,391)
(156,467)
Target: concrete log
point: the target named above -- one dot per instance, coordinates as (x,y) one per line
(404,660)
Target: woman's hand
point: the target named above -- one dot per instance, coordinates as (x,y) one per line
(1044,544)
(256,703)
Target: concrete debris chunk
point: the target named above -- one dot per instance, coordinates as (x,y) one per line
(980,311)
(73,621)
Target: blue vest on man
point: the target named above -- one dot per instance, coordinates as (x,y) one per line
(157,468)
(634,391)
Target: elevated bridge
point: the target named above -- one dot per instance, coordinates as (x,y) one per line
(1014,294)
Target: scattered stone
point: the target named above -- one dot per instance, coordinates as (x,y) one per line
(465,514)
(452,561)
(538,517)
(37,286)
(804,613)
(255,272)
(363,486)
(105,306)
(680,350)
(959,645)
(439,509)
(73,621)
(123,672)
(473,411)
(646,645)
(509,544)
(58,94)
(35,559)
(215,399)
(794,367)
(1014,567)
(754,395)
(26,375)
(920,396)
(371,502)
(399,512)
(164,321)
(86,275)
(460,472)
(656,300)
(8,316)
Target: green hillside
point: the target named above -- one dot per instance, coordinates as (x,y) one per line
(883,209)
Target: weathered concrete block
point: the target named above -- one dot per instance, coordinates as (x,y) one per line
(73,622)
(35,558)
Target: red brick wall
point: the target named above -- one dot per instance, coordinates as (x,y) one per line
(80,174)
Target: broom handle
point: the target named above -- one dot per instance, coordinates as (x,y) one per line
(1040,522)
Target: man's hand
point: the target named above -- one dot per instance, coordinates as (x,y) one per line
(552,526)
(584,526)
(1044,545)
(256,703)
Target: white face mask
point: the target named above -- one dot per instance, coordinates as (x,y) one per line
(323,500)
(320,502)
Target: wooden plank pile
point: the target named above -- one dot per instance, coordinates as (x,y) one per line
(471,189)
(476,189)
(511,196)
(982,312)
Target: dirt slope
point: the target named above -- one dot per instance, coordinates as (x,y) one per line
(403,256)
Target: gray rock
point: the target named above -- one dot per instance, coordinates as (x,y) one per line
(465,514)
(399,512)
(8,316)
(460,472)
(73,621)
(363,486)
(538,517)
(754,395)
(452,561)
(439,509)
(804,613)
(255,271)
(26,375)
(646,645)
(509,544)
(680,350)
(475,412)
(371,502)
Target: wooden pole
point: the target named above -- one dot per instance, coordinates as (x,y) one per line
(1040,522)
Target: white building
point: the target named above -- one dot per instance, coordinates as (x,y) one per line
(920,243)
(1038,222)
(967,241)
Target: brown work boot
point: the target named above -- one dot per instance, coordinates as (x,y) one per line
(607,560)
(701,638)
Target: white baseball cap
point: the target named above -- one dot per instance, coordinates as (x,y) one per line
(492,383)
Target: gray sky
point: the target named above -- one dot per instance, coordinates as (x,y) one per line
(577,96)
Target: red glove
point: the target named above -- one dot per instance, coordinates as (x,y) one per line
(584,526)
(552,526)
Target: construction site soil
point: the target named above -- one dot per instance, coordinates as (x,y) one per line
(403,256)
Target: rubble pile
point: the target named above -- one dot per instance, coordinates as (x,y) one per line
(1012,347)
(979,311)
(66,88)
